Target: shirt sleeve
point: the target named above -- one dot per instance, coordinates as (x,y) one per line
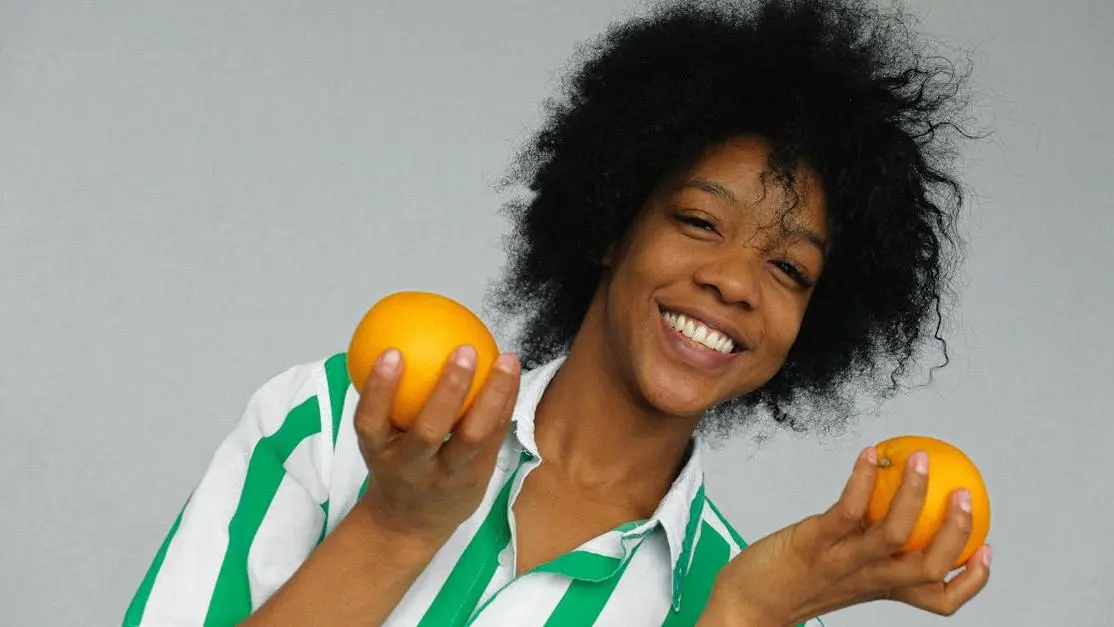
(253,518)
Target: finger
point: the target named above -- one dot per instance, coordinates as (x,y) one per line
(891,533)
(845,516)
(442,408)
(483,429)
(938,559)
(487,449)
(373,409)
(947,598)
(949,541)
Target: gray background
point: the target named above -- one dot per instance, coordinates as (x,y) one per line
(194,196)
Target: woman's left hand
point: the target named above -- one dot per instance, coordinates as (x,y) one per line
(835,560)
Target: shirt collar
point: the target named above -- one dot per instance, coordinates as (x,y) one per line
(681,509)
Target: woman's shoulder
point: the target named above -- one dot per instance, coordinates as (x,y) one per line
(300,405)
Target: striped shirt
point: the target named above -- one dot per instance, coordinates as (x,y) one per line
(291,469)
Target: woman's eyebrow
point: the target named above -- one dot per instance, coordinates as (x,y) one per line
(808,235)
(712,188)
(793,229)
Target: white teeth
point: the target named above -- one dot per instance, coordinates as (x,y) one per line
(699,332)
(689,329)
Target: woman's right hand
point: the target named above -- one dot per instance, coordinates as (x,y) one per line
(422,486)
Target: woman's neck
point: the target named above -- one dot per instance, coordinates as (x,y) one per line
(599,435)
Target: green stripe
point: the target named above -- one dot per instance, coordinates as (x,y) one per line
(731,530)
(363,488)
(466,583)
(134,614)
(712,553)
(583,601)
(231,601)
(336,374)
(680,569)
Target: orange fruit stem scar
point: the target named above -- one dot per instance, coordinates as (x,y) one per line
(950,470)
(425,328)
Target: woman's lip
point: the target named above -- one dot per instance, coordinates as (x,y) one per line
(703,358)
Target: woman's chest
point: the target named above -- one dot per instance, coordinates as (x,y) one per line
(552,520)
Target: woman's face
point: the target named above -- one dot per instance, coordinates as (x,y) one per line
(725,257)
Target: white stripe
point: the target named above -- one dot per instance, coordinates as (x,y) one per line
(528,601)
(325,409)
(286,537)
(710,517)
(348,467)
(608,544)
(645,590)
(504,574)
(184,585)
(305,465)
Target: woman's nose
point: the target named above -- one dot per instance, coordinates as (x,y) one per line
(735,277)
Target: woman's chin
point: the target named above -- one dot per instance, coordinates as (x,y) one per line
(678,399)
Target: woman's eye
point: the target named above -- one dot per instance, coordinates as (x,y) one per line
(794,273)
(698,222)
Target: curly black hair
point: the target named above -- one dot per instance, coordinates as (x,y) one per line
(841,86)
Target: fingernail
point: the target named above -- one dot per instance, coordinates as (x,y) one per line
(920,462)
(388,361)
(964,499)
(465,357)
(507,363)
(986,555)
(872,456)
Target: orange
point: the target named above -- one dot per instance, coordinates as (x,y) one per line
(948,470)
(426,328)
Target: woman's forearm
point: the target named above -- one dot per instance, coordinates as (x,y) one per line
(356,576)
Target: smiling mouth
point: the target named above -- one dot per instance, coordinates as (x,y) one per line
(699,333)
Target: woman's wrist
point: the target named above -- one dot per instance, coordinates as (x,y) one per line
(407,543)
(727,608)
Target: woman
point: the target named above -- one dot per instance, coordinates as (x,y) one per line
(733,211)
